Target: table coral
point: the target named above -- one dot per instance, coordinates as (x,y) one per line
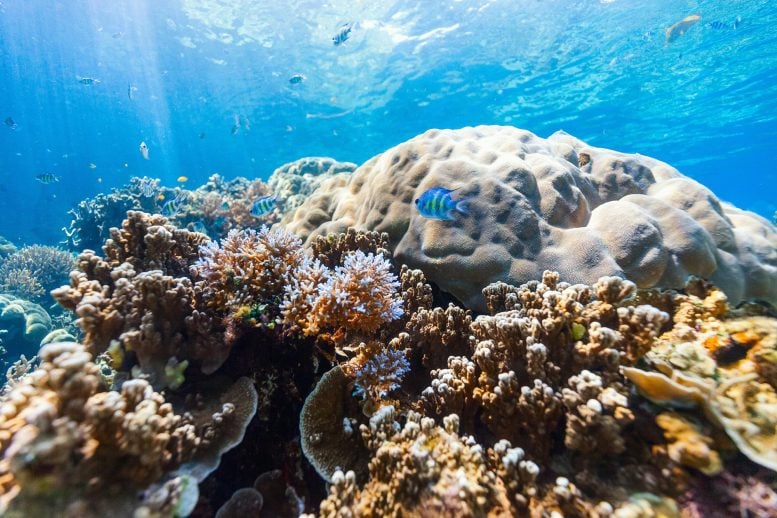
(545,204)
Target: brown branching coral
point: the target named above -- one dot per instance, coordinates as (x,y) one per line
(149,242)
(332,249)
(443,473)
(65,440)
(438,333)
(247,269)
(550,361)
(151,315)
(148,314)
(596,416)
(33,271)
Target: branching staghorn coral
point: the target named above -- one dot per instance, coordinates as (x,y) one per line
(33,271)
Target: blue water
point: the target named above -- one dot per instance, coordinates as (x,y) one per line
(706,103)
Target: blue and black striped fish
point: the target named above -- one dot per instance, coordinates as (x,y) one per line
(438,203)
(47,178)
(343,33)
(263,205)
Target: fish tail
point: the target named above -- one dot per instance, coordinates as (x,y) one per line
(463,207)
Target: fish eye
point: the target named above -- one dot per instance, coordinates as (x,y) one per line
(417,200)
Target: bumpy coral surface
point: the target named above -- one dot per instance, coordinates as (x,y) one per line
(538,204)
(292,183)
(442,473)
(23,324)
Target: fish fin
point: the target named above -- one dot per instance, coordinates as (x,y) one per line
(462,206)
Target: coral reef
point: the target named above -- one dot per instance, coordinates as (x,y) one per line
(223,205)
(722,364)
(139,304)
(66,444)
(93,218)
(33,271)
(545,204)
(254,375)
(292,183)
(6,248)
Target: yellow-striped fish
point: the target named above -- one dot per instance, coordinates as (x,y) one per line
(183,179)
(263,205)
(47,178)
(438,203)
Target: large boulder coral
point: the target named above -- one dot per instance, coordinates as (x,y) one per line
(545,204)
(23,325)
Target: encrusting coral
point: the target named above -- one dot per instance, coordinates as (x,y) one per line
(723,363)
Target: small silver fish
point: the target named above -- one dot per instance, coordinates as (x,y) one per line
(10,123)
(144,150)
(47,178)
(263,205)
(88,80)
(438,203)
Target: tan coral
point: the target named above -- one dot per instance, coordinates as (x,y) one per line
(535,207)
(443,474)
(64,439)
(722,365)
(688,445)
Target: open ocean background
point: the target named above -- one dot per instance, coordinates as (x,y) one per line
(176,73)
